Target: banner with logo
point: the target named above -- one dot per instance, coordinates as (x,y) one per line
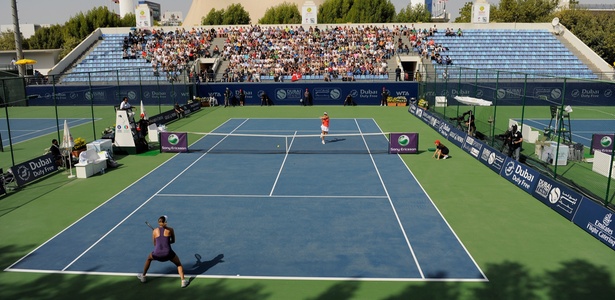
(34,169)
(557,196)
(404,143)
(472,145)
(521,175)
(492,158)
(173,142)
(457,137)
(597,220)
(171,115)
(602,143)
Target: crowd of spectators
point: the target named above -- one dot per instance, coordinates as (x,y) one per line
(282,52)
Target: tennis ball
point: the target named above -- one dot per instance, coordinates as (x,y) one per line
(278,146)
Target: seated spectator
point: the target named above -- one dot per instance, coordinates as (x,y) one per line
(459,32)
(449,61)
(56,153)
(179,111)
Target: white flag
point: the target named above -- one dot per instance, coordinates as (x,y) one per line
(67,138)
(143,113)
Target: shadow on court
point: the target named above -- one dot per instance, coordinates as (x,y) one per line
(201,267)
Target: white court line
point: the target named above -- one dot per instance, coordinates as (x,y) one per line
(139,207)
(268,196)
(283,162)
(298,278)
(392,205)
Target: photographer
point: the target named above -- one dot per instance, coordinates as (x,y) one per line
(515,141)
(463,123)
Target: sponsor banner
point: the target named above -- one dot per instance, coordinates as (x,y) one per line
(597,220)
(412,108)
(173,142)
(171,115)
(151,95)
(602,143)
(472,145)
(34,169)
(444,129)
(435,122)
(529,93)
(456,137)
(521,175)
(492,158)
(427,117)
(404,143)
(329,93)
(191,107)
(163,118)
(558,197)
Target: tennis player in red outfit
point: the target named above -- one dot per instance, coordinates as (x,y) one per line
(324,127)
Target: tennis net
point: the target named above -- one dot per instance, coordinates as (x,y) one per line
(352,143)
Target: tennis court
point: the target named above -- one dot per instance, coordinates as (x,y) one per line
(341,210)
(581,130)
(24,129)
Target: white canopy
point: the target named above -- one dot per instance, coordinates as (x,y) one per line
(472,101)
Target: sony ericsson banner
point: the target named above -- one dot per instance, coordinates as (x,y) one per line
(492,158)
(557,196)
(597,220)
(34,169)
(404,143)
(521,175)
(602,143)
(173,142)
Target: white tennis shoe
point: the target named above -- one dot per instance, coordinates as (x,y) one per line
(142,278)
(185,283)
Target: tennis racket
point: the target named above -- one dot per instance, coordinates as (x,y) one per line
(148,225)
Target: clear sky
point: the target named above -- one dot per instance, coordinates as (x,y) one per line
(59,11)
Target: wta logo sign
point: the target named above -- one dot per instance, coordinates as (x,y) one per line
(173,142)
